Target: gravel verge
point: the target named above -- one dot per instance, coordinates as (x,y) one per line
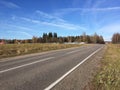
(83,75)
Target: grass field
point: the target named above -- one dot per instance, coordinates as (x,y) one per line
(109,76)
(9,50)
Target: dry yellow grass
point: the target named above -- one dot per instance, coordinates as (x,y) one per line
(109,76)
(9,50)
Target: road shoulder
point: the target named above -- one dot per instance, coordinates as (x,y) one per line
(79,78)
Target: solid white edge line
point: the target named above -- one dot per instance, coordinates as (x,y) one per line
(25,65)
(67,73)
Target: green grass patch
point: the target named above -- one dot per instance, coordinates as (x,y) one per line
(9,50)
(109,76)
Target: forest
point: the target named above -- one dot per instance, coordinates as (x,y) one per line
(54,38)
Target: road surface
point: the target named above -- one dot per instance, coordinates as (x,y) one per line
(37,72)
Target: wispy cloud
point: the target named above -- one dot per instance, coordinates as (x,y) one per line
(111,28)
(51,20)
(17,27)
(10,31)
(48,16)
(64,25)
(25,33)
(19,34)
(90,9)
(9,4)
(108,30)
(82,10)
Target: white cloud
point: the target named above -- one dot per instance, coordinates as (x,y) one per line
(19,27)
(112,28)
(108,30)
(20,33)
(65,25)
(44,14)
(13,17)
(83,10)
(26,19)
(48,16)
(7,26)
(9,4)
(25,33)
(90,9)
(51,20)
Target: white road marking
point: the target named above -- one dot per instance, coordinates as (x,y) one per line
(72,51)
(26,64)
(71,70)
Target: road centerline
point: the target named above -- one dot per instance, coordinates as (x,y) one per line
(20,66)
(72,52)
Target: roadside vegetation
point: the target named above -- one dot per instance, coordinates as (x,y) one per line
(109,76)
(8,50)
(49,41)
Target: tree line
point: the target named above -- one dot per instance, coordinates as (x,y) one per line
(116,38)
(54,38)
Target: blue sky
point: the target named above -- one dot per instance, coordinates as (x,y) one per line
(22,19)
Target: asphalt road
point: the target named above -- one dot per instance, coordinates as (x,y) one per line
(36,72)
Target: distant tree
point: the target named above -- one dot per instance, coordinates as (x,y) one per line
(60,40)
(79,39)
(40,40)
(45,38)
(65,39)
(101,40)
(95,38)
(116,38)
(26,40)
(84,37)
(29,40)
(55,35)
(53,38)
(88,40)
(34,39)
(50,35)
(72,39)
(69,39)
(15,41)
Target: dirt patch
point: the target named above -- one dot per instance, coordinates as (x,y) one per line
(80,78)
